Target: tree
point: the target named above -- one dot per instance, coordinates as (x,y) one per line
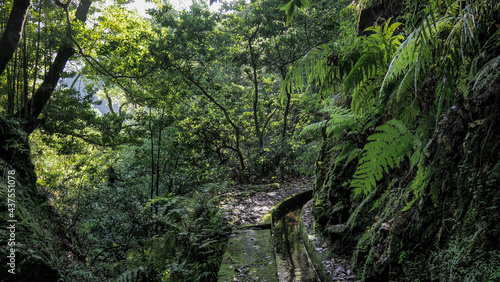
(32,108)
(13,31)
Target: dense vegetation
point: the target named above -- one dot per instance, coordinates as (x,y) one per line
(136,124)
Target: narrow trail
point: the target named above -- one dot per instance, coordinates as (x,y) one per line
(254,253)
(248,205)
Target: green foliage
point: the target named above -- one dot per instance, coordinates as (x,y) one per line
(190,244)
(340,119)
(385,151)
(489,72)
(438,54)
(314,127)
(324,66)
(290,5)
(421,181)
(494,276)
(138,274)
(358,70)
(194,100)
(364,77)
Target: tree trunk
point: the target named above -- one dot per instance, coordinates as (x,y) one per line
(11,82)
(25,76)
(44,92)
(160,129)
(152,160)
(285,116)
(13,31)
(256,93)
(283,134)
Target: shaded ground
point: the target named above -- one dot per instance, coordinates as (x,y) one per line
(338,268)
(247,205)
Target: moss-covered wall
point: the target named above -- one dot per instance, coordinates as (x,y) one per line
(41,248)
(451,233)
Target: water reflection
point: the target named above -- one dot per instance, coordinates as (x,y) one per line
(291,257)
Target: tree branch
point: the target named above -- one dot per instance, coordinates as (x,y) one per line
(63,5)
(110,103)
(268,119)
(44,92)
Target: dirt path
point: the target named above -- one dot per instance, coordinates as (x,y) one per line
(247,205)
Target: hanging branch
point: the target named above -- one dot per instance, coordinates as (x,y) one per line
(221,107)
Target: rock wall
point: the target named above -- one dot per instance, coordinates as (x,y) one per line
(451,233)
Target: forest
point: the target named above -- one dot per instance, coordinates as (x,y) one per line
(127,133)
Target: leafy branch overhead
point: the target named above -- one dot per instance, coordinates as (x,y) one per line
(290,5)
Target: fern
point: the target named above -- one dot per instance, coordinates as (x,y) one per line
(409,61)
(314,127)
(384,152)
(137,274)
(340,119)
(367,74)
(438,49)
(488,73)
(311,70)
(323,67)
(346,152)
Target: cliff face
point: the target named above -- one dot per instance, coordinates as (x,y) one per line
(451,232)
(32,240)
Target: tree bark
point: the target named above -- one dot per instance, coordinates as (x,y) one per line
(256,90)
(285,115)
(152,160)
(13,31)
(44,92)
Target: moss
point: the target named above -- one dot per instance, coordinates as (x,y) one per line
(450,232)
(330,191)
(317,258)
(287,205)
(41,245)
(250,252)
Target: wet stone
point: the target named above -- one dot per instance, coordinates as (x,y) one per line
(249,256)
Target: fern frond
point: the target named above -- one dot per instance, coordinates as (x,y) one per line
(409,61)
(346,153)
(488,73)
(366,75)
(311,70)
(441,46)
(384,152)
(314,127)
(340,119)
(363,98)
(419,184)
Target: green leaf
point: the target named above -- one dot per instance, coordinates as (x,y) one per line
(384,152)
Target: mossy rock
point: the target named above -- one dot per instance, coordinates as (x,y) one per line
(249,255)
(41,245)
(289,204)
(450,233)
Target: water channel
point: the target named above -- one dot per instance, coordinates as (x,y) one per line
(292,260)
